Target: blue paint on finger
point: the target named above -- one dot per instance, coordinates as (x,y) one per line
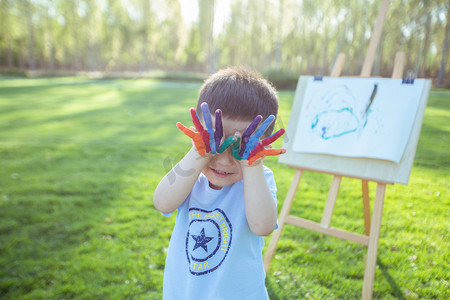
(209,126)
(254,139)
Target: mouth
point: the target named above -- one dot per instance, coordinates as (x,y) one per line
(220,173)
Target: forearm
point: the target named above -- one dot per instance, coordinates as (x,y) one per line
(260,207)
(174,188)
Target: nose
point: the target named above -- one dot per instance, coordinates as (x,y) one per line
(224,159)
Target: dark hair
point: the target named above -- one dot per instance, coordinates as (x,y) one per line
(241,94)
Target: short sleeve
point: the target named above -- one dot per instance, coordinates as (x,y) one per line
(167,215)
(271,181)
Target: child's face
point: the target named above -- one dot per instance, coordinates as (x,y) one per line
(223,169)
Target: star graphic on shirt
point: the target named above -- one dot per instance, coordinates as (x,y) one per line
(201,240)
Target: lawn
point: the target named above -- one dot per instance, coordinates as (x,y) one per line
(80,159)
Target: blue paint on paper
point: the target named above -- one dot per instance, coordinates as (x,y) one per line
(335,123)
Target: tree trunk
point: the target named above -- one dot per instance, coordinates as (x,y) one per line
(279,35)
(51,41)
(426,41)
(325,52)
(211,49)
(378,58)
(143,64)
(28,14)
(145,30)
(309,59)
(444,51)
(91,55)
(343,31)
(9,55)
(362,39)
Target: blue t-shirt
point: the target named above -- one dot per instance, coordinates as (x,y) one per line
(213,254)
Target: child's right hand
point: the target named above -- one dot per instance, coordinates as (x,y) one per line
(209,140)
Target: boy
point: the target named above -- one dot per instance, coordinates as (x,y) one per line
(226,198)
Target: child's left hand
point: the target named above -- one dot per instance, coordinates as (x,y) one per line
(253,149)
(263,148)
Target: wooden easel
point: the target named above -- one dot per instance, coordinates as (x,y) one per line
(372,225)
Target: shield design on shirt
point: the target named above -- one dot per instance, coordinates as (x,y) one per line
(208,240)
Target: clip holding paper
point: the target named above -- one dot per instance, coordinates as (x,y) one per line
(318,78)
(409,79)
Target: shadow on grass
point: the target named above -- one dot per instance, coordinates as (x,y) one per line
(396,291)
(432,149)
(79,163)
(76,180)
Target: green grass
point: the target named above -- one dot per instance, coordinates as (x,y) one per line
(80,158)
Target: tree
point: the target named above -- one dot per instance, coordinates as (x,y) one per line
(168,38)
(206,30)
(300,36)
(144,32)
(445,50)
(28,10)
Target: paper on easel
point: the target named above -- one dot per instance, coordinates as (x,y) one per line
(357,117)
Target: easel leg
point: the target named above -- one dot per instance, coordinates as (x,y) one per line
(282,219)
(371,262)
(366,206)
(331,201)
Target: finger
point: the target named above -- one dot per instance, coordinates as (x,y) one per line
(273,137)
(196,121)
(266,142)
(235,148)
(189,132)
(207,116)
(263,127)
(253,159)
(254,139)
(205,137)
(251,144)
(209,126)
(227,143)
(199,145)
(248,132)
(219,128)
(200,129)
(273,152)
(251,128)
(255,150)
(196,138)
(265,152)
(257,156)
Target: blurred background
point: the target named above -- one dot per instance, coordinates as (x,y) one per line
(191,38)
(81,157)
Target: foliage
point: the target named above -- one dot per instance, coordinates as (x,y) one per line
(141,35)
(80,159)
(161,75)
(282,78)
